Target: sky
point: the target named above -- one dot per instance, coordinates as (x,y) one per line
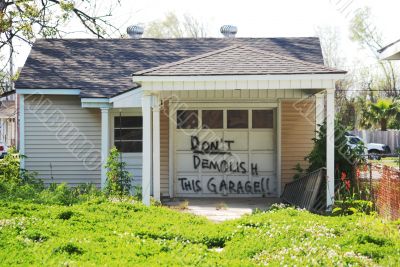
(258,18)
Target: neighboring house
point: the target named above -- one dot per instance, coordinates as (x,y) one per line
(391,51)
(8,118)
(210,117)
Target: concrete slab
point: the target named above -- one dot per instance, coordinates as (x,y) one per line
(218,210)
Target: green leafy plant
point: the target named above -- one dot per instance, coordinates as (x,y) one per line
(346,158)
(299,171)
(352,206)
(379,114)
(119,180)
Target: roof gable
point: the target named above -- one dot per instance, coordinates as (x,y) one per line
(238,60)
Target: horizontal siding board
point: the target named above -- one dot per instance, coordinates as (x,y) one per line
(47,140)
(297,131)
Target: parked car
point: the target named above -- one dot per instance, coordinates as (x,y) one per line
(374,150)
(3,150)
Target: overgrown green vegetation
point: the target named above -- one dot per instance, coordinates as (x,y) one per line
(83,226)
(115,232)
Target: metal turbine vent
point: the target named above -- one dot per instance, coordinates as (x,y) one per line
(135,31)
(229,31)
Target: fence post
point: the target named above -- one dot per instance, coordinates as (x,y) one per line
(370,182)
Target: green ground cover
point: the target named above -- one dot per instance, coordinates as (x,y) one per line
(388,161)
(100,231)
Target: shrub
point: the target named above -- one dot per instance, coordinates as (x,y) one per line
(352,206)
(69,248)
(119,180)
(346,158)
(65,215)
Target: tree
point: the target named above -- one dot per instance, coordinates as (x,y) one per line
(379,113)
(172,27)
(370,38)
(24,20)
(330,45)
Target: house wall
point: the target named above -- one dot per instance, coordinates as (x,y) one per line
(297,131)
(62,139)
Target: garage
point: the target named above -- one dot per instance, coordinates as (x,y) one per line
(225,152)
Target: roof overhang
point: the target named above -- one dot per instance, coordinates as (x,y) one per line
(128,99)
(286,77)
(391,52)
(238,82)
(48,91)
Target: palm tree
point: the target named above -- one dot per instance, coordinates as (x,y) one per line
(379,113)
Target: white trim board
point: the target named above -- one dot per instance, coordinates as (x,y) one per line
(283,77)
(193,85)
(48,91)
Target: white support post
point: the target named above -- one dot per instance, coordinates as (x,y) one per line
(22,130)
(319,110)
(330,147)
(147,149)
(105,143)
(156,149)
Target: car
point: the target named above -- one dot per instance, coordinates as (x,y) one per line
(374,150)
(3,150)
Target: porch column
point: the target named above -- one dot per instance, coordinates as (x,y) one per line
(147,149)
(330,147)
(21,129)
(156,148)
(319,110)
(105,143)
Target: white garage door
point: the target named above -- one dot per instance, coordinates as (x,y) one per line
(225,152)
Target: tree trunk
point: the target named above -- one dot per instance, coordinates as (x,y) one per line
(383,124)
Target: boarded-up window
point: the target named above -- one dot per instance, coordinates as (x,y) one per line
(128,134)
(213,119)
(263,119)
(238,119)
(187,119)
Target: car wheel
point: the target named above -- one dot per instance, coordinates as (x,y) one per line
(374,154)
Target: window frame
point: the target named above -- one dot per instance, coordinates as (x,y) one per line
(115,139)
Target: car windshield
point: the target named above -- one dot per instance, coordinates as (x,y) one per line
(354,140)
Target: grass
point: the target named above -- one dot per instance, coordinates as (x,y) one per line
(104,232)
(388,161)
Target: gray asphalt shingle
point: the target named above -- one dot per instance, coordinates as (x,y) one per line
(238,60)
(103,67)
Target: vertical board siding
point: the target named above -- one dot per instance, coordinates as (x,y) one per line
(298,129)
(62,140)
(164,149)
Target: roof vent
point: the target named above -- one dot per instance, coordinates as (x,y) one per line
(229,31)
(135,31)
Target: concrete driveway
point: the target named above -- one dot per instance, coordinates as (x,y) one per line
(221,209)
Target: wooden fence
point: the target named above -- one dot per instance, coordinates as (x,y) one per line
(389,137)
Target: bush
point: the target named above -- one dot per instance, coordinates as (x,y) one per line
(119,180)
(346,158)
(352,206)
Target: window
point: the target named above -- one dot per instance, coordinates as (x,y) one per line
(187,119)
(238,119)
(213,119)
(128,131)
(263,119)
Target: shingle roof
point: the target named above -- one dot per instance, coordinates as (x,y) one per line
(238,60)
(103,68)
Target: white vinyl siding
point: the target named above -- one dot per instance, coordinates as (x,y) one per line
(62,140)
